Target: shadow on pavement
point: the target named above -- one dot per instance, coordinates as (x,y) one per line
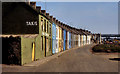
(114,59)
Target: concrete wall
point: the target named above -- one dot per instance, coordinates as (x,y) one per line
(39,52)
(26,50)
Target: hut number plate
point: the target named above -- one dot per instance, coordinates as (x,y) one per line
(31,23)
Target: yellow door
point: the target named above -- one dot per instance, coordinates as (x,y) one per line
(33,52)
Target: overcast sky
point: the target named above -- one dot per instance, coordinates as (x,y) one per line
(98,17)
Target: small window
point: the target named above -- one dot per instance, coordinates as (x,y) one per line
(45,25)
(42,23)
(50,29)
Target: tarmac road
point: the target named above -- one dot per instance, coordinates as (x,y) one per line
(75,60)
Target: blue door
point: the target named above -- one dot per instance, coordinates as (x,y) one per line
(53,38)
(64,39)
(53,46)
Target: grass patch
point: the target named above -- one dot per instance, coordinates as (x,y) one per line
(109,48)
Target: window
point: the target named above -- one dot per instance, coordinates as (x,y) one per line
(50,29)
(42,23)
(45,25)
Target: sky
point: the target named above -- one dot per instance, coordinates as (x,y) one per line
(76,0)
(97,17)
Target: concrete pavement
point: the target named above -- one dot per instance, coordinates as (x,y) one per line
(75,60)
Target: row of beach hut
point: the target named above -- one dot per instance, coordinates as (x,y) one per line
(30,34)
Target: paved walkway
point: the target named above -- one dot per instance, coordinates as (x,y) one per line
(75,60)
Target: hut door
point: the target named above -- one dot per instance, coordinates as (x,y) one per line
(33,51)
(45,46)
